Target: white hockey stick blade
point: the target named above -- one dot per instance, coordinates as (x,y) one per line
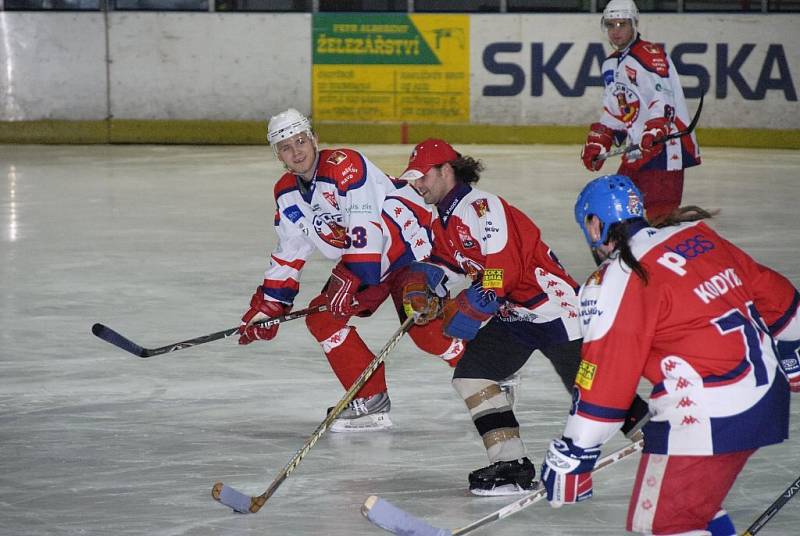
(397,521)
(391,518)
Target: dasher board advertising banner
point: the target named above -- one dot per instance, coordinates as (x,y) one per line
(391,67)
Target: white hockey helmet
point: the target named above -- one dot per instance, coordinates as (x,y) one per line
(621,9)
(287,124)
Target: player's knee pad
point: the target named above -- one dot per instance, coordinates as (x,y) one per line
(493,416)
(323,325)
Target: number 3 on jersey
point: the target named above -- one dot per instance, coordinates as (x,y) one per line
(752,330)
(359,239)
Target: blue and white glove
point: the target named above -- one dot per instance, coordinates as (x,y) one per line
(423,289)
(464,315)
(567,472)
(788,354)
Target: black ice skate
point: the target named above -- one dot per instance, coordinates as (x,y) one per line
(504,478)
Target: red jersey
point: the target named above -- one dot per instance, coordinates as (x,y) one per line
(699,331)
(479,235)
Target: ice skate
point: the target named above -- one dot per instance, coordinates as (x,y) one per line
(504,478)
(369,414)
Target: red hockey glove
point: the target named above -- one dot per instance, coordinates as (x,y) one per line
(598,142)
(341,291)
(655,130)
(260,308)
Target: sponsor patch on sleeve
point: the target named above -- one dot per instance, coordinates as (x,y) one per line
(586,373)
(492,278)
(293,212)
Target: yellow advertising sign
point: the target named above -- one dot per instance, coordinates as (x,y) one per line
(391,67)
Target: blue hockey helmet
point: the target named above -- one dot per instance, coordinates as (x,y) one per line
(612,198)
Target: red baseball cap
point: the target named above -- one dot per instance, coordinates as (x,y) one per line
(427,154)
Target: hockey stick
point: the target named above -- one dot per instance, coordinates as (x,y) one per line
(770,512)
(111,336)
(246,504)
(635,146)
(391,518)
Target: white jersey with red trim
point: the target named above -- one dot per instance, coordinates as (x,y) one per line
(351,211)
(478,234)
(641,83)
(699,330)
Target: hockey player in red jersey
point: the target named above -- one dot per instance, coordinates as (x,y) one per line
(642,103)
(338,202)
(698,318)
(514,281)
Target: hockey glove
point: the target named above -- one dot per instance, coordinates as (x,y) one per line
(261,307)
(655,130)
(567,472)
(788,352)
(423,289)
(598,142)
(341,291)
(464,315)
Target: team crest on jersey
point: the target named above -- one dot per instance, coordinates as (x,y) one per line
(596,279)
(627,103)
(336,158)
(465,237)
(631,72)
(586,374)
(330,197)
(330,229)
(481,206)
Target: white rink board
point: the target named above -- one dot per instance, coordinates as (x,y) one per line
(52,66)
(243,66)
(209,66)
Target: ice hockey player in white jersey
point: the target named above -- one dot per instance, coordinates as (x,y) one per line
(338,202)
(643,102)
(698,318)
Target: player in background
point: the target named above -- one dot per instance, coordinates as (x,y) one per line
(642,103)
(515,284)
(696,316)
(338,202)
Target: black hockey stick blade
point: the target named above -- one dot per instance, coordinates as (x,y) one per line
(635,147)
(120,341)
(109,335)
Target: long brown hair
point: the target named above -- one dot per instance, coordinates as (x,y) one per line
(620,233)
